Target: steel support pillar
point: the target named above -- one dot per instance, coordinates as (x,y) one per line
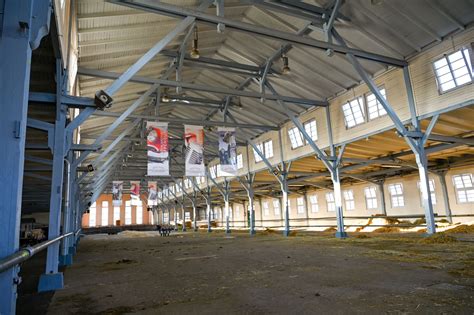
(336,181)
(195,228)
(444,188)
(383,205)
(227,206)
(52,279)
(66,257)
(209,210)
(286,206)
(184,217)
(24,23)
(422,163)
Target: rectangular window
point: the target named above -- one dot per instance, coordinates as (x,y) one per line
(311,130)
(237,211)
(354,112)
(370,197)
(139,211)
(300,205)
(240,161)
(266,209)
(296,139)
(331,204)
(349,199)
(258,158)
(396,194)
(313,199)
(432,192)
(128,213)
(374,107)
(116,214)
(105,213)
(268,147)
(464,188)
(276,207)
(92,214)
(453,70)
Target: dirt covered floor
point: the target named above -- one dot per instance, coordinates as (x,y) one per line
(199,273)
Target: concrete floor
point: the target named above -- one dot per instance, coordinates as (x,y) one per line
(197,273)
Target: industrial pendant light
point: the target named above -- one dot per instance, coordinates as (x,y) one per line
(195,51)
(286,69)
(165,98)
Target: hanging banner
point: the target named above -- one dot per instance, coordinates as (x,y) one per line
(227,151)
(157,144)
(135,193)
(152,194)
(194,153)
(117,188)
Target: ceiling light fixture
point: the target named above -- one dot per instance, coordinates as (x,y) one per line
(165,98)
(286,69)
(195,51)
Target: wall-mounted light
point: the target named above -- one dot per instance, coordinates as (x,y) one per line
(286,68)
(195,51)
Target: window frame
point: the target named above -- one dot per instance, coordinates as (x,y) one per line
(306,123)
(465,189)
(434,199)
(314,205)
(362,107)
(276,209)
(300,208)
(297,133)
(328,202)
(345,193)
(451,71)
(402,195)
(374,198)
(380,88)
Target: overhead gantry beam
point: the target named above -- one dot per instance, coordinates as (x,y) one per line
(166,9)
(202,88)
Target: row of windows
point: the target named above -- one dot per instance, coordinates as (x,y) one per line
(116,215)
(463,184)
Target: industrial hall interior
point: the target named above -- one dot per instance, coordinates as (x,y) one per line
(236,157)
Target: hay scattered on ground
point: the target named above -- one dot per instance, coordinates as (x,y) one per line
(465,229)
(134,234)
(331,229)
(268,231)
(439,238)
(387,229)
(362,236)
(293,233)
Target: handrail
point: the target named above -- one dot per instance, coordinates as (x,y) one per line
(28,252)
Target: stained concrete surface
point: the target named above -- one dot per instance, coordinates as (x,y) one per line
(200,273)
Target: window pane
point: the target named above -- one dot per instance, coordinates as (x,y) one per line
(268,149)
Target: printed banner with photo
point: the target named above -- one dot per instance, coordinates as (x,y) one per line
(227,151)
(194,154)
(157,144)
(117,188)
(152,194)
(135,192)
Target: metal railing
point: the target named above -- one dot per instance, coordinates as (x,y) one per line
(28,252)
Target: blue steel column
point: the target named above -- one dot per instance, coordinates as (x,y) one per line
(209,209)
(20,34)
(66,256)
(52,279)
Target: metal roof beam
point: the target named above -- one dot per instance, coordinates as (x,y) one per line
(205,88)
(189,121)
(153,6)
